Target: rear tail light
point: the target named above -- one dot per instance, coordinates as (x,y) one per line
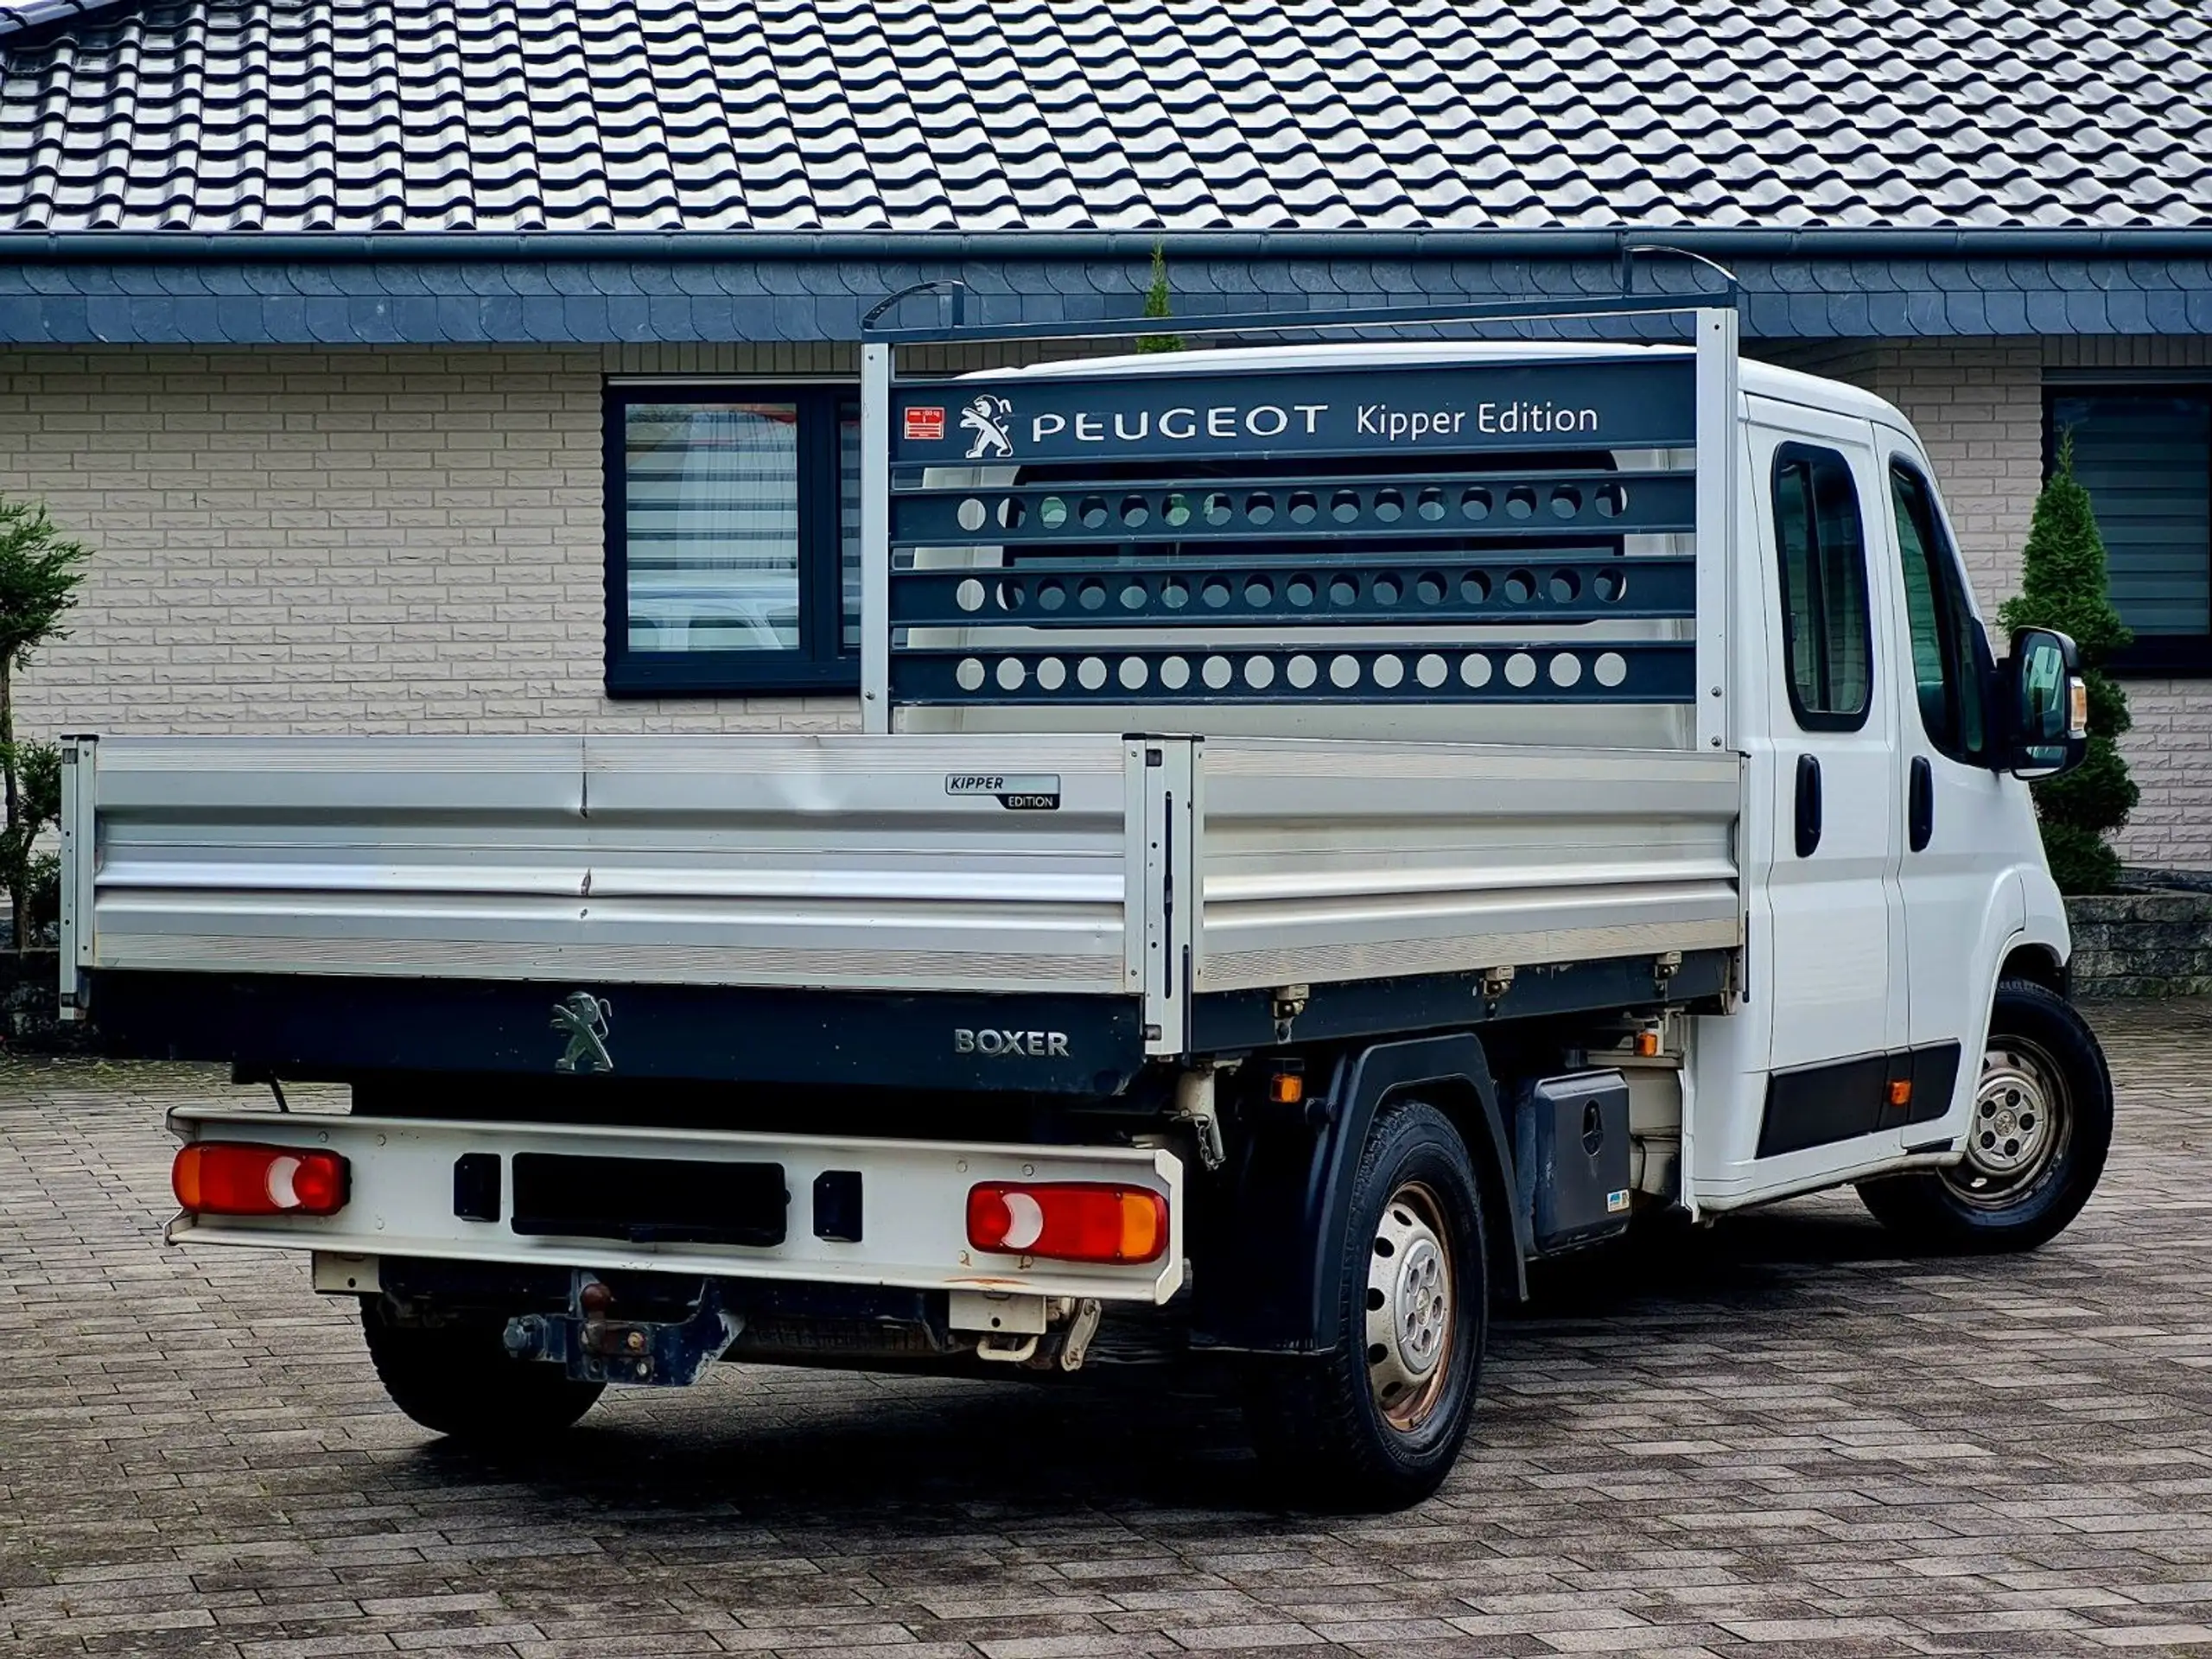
(1068,1221)
(233,1178)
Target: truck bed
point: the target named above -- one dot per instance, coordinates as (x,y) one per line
(1164,870)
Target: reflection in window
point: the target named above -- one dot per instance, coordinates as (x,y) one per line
(712,527)
(1946,645)
(733,543)
(1822,549)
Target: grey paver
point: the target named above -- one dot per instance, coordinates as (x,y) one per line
(1771,1436)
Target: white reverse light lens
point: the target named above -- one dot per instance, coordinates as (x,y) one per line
(282,1193)
(1025,1221)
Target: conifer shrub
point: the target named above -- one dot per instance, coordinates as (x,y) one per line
(2064,584)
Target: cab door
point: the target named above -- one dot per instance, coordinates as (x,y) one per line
(1835,995)
(1966,833)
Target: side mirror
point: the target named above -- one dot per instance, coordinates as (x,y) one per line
(2046,705)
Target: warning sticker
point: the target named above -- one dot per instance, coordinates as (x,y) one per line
(926,424)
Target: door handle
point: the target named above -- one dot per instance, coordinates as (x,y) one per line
(1920,804)
(1809,804)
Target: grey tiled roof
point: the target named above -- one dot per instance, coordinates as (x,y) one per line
(1041,114)
(20,17)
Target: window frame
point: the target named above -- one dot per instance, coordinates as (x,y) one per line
(820,663)
(2161,656)
(1793,452)
(1953,596)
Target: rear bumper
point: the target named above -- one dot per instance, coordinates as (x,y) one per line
(913,1232)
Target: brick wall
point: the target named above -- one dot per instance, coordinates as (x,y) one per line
(1978,408)
(411,540)
(334,542)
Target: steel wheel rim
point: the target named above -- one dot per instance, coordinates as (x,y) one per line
(2020,1123)
(1412,1306)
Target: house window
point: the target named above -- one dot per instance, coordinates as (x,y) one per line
(732,539)
(2145,453)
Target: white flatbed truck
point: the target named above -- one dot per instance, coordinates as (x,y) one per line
(1332,825)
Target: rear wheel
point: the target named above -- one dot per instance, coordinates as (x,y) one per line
(2037,1136)
(459,1379)
(1377,1424)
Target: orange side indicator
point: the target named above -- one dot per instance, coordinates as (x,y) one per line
(1901,1091)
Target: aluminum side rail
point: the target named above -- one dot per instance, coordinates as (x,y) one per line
(703,860)
(845,908)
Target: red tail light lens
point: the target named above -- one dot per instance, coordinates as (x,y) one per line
(1068,1221)
(233,1178)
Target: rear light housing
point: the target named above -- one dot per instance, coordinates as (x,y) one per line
(239,1177)
(1068,1221)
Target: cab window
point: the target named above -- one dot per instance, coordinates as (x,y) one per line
(1821,551)
(1949,655)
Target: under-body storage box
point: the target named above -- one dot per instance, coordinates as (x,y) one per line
(1573,1155)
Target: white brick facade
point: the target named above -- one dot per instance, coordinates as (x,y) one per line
(412,540)
(336,542)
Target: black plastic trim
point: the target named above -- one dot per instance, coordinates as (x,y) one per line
(1819,1105)
(1375,1008)
(315,1026)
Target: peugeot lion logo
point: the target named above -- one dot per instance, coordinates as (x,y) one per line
(986,417)
(584,1017)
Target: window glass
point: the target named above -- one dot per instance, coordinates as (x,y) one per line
(1949,651)
(1820,545)
(849,523)
(733,540)
(2146,458)
(711,526)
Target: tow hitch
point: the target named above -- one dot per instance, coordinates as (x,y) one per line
(594,1348)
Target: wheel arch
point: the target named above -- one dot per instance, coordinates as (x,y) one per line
(1475,1112)
(2039,964)
(1269,1284)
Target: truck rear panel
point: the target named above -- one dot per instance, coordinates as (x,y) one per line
(864,905)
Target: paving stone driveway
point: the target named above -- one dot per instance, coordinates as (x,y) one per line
(1770,1437)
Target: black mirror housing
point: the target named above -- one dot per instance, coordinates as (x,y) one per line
(2045,704)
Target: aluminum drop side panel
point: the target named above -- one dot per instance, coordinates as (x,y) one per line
(844,862)
(1322,861)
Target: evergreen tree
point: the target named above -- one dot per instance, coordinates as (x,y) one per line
(1157,303)
(40,569)
(2063,585)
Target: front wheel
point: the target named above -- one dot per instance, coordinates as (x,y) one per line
(1377,1424)
(2037,1136)
(459,1379)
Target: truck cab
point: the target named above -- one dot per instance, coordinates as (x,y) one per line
(1331,826)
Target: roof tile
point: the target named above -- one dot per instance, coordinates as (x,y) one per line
(856,115)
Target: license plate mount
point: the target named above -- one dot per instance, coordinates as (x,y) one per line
(651,1200)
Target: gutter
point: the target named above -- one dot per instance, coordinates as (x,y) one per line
(257,248)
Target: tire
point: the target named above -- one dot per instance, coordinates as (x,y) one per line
(459,1381)
(2039,1130)
(1377,1424)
